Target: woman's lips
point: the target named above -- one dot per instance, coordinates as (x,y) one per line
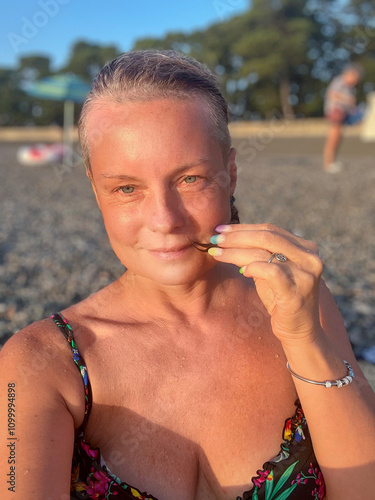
(171,253)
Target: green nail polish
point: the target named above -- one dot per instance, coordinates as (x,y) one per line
(242,269)
(218,238)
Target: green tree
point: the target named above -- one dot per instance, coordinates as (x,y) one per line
(212,46)
(361,11)
(87,59)
(264,57)
(354,22)
(14,104)
(274,44)
(34,67)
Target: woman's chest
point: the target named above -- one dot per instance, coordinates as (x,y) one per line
(191,424)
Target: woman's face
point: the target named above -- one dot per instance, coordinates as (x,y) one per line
(159,178)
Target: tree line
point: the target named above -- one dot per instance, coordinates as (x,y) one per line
(275,59)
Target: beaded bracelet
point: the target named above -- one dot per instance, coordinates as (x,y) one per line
(329,383)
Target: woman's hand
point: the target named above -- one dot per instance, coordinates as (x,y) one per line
(289,290)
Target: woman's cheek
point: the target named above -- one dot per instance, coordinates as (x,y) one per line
(209,200)
(119,222)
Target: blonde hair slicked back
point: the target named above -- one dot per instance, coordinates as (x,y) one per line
(151,74)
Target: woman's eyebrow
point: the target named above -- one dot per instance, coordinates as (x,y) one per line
(120,177)
(178,170)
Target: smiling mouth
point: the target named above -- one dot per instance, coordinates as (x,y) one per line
(170,253)
(176,251)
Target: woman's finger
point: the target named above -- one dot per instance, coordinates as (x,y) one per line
(266,242)
(279,275)
(239,256)
(265,232)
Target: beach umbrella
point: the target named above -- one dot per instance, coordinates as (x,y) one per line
(68,88)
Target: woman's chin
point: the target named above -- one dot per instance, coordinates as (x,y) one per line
(174,275)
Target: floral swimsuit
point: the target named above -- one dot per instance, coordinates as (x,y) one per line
(293,474)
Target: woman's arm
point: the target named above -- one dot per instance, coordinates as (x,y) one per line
(305,319)
(341,421)
(37,429)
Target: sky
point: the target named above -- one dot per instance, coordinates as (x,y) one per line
(50,27)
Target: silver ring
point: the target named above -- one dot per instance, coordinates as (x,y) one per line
(279,256)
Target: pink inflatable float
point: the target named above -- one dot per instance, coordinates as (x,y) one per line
(40,154)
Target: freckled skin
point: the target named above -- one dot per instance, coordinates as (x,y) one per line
(165,204)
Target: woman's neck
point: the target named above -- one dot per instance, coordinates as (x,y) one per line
(186,302)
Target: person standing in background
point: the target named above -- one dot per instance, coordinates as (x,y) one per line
(340,109)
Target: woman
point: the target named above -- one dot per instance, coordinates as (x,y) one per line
(340,109)
(183,358)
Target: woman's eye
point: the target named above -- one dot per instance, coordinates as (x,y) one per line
(127,189)
(190,179)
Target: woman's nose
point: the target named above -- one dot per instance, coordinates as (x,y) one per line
(165,212)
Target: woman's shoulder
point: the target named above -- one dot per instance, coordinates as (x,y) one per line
(43,339)
(40,347)
(38,359)
(33,341)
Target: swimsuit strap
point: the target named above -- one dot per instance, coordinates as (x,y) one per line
(66,329)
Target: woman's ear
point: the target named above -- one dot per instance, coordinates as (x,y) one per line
(232,169)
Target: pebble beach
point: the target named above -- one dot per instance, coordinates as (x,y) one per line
(54,250)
